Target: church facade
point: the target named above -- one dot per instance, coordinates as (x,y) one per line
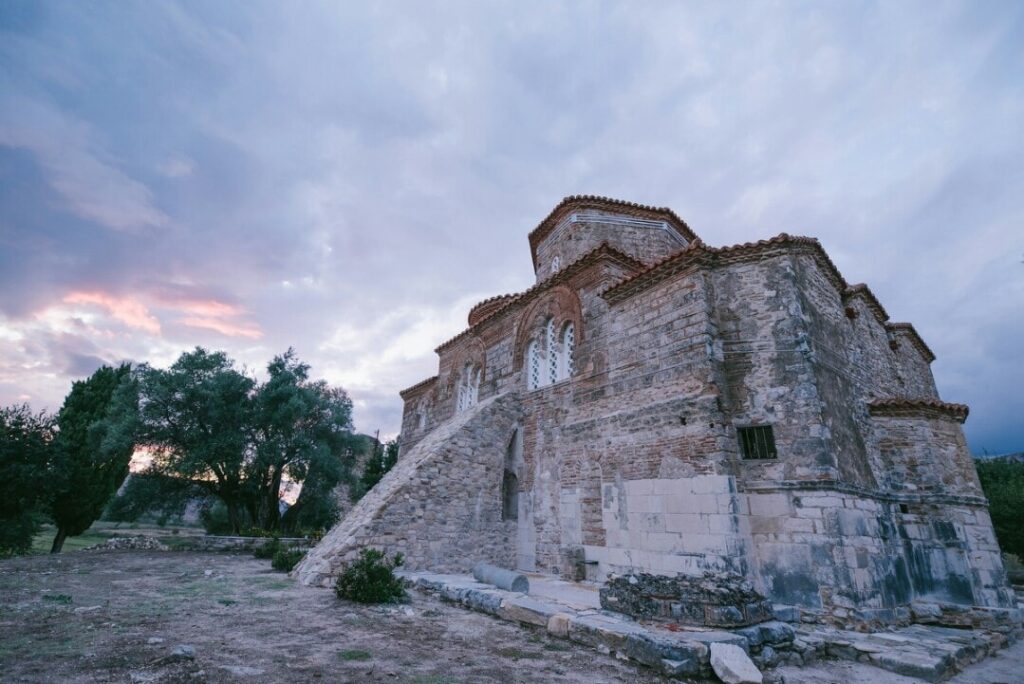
(656,404)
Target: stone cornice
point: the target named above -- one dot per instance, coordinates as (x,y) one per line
(862,291)
(580,202)
(910,332)
(918,408)
(417,389)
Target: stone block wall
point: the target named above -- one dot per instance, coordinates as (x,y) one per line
(645,240)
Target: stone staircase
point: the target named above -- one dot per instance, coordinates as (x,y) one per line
(463,461)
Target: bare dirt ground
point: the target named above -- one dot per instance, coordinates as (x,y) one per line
(119,616)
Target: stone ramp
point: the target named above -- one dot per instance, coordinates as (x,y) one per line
(464,458)
(569,611)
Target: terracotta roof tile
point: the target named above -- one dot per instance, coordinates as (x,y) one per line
(904,406)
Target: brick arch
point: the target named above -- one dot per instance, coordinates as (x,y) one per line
(560,303)
(470,351)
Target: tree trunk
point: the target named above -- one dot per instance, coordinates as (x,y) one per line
(272,500)
(58,541)
(233,517)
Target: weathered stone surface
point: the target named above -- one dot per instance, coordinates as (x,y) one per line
(558,625)
(716,599)
(621,399)
(528,610)
(733,666)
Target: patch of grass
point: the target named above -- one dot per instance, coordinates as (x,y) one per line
(355,654)
(434,679)
(556,647)
(63,599)
(286,559)
(517,654)
(226,601)
(272,584)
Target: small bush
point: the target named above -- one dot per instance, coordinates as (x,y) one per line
(355,654)
(371,579)
(267,549)
(286,559)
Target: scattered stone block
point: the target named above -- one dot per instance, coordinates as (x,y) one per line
(558,625)
(733,666)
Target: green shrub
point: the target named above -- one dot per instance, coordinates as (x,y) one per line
(267,549)
(371,578)
(285,559)
(1003,483)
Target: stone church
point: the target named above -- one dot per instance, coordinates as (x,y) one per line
(655,404)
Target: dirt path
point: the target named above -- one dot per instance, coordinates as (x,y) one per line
(118,616)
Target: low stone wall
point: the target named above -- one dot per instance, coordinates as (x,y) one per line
(232,544)
(712,600)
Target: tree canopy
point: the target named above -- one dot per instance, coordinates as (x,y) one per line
(97,428)
(1003,483)
(238,439)
(26,455)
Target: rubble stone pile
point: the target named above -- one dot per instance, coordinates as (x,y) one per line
(716,599)
(139,543)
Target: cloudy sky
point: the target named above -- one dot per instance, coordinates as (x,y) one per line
(349,178)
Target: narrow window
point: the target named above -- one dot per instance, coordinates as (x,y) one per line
(469,387)
(474,387)
(568,347)
(757,442)
(533,365)
(552,345)
(509,496)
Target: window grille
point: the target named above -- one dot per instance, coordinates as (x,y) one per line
(757,442)
(552,345)
(533,365)
(568,348)
(469,388)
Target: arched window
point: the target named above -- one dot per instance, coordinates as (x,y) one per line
(552,351)
(556,264)
(568,348)
(469,388)
(421,414)
(533,365)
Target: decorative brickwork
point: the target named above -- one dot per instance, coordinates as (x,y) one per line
(632,461)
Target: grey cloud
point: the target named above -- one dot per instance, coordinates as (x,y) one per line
(356,172)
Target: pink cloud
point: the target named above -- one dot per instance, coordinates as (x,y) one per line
(127,310)
(224,327)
